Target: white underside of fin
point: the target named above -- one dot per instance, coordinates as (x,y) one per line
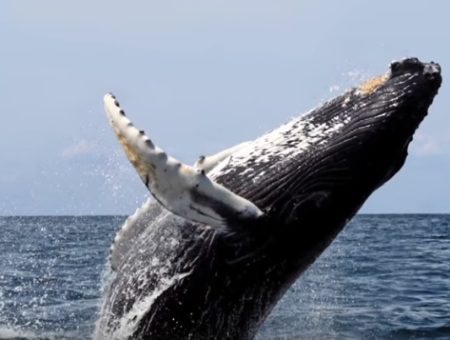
(184,190)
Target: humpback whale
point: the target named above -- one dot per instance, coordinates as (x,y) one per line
(222,240)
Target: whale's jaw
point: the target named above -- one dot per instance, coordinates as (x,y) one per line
(181,280)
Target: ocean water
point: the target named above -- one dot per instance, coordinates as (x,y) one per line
(384,277)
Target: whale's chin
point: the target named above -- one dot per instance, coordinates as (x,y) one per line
(211,260)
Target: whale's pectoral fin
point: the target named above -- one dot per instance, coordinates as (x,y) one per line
(206,163)
(185,191)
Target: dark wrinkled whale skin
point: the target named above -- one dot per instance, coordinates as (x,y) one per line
(226,282)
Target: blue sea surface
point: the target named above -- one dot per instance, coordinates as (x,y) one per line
(384,277)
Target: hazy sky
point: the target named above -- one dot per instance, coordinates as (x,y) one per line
(198,76)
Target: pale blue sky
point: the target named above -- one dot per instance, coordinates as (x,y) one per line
(198,76)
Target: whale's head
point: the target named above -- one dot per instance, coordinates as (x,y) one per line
(320,168)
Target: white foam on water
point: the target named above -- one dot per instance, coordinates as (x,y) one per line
(12,333)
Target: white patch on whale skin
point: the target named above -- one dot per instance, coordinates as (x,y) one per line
(298,136)
(185,191)
(282,144)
